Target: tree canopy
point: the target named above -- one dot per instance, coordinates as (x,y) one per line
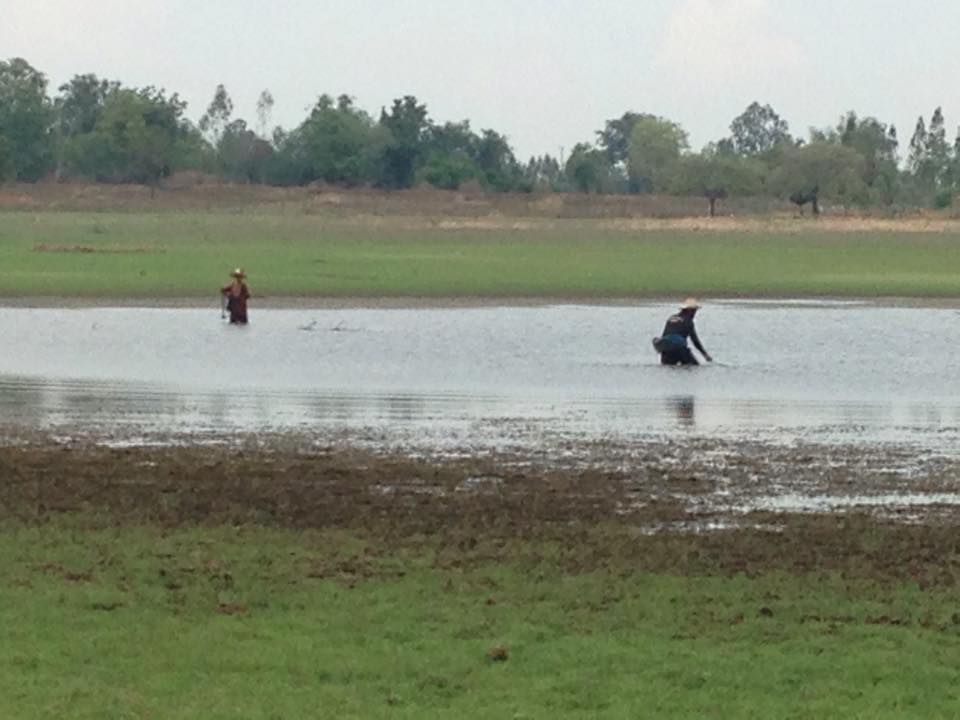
(26,121)
(653,153)
(102,130)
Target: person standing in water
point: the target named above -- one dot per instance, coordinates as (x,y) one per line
(236,295)
(672,344)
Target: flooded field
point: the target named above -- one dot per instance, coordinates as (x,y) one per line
(811,406)
(490,377)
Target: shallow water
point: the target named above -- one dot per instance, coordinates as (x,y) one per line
(845,372)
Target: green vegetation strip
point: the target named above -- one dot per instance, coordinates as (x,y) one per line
(189,255)
(270,623)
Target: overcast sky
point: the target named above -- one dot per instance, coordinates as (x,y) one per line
(546,73)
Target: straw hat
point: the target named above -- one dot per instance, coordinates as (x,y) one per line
(690,304)
(238,273)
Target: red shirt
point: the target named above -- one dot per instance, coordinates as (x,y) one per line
(237,296)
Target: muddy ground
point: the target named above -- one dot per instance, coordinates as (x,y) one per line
(681,508)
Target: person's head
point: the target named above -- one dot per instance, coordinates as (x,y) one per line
(689,307)
(238,275)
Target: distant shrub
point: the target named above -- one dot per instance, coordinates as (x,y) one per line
(943,199)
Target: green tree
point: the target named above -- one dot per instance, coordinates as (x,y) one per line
(916,160)
(80,103)
(26,120)
(758,129)
(449,172)
(191,151)
(140,136)
(588,170)
(455,154)
(819,170)
(8,170)
(937,152)
(78,107)
(451,138)
(930,161)
(337,144)
(955,162)
(654,152)
(499,169)
(404,154)
(716,176)
(451,151)
(544,174)
(937,147)
(243,154)
(877,144)
(615,139)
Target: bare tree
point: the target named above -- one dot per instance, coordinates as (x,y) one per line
(264,111)
(217,116)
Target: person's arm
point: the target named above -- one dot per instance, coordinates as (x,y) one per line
(697,344)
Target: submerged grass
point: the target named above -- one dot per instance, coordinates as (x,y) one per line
(252,622)
(188,254)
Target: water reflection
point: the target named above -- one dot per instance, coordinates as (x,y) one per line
(404,408)
(486,374)
(683,408)
(443,420)
(23,403)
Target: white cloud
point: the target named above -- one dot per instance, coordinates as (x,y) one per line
(716,46)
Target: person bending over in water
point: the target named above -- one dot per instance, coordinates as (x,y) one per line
(236,294)
(672,344)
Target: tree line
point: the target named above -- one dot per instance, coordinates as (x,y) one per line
(101,130)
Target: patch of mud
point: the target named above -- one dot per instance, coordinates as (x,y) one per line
(670,508)
(310,480)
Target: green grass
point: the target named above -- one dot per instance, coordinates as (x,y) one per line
(189,255)
(257,623)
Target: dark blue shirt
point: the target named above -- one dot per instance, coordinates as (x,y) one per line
(682,325)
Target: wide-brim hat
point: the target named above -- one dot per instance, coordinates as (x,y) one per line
(690,304)
(238,273)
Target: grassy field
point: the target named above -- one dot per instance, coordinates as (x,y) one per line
(259,623)
(136,585)
(197,582)
(188,254)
